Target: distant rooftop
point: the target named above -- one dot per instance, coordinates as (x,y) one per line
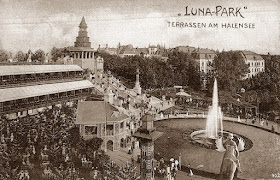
(250,55)
(204,51)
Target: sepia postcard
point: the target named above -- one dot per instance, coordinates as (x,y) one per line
(139,89)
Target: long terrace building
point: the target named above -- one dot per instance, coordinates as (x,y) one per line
(27,89)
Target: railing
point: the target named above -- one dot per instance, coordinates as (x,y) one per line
(28,63)
(37,81)
(7,109)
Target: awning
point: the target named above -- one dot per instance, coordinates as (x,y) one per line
(182,93)
(9,94)
(33,69)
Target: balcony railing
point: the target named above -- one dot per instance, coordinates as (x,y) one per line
(18,107)
(37,80)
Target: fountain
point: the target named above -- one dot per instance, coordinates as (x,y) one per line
(212,136)
(214,123)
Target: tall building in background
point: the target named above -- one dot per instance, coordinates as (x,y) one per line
(82,40)
(255,61)
(82,54)
(204,57)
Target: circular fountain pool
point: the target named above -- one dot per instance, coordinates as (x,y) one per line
(199,137)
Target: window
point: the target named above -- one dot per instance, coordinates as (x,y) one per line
(20,113)
(90,130)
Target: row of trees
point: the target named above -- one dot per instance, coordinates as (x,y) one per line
(38,55)
(179,69)
(264,88)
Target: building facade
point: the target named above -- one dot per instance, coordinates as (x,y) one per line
(204,58)
(82,54)
(128,50)
(255,61)
(102,120)
(27,89)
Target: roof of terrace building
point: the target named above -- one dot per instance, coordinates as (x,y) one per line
(9,94)
(35,69)
(97,112)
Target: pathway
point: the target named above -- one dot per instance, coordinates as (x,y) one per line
(242,121)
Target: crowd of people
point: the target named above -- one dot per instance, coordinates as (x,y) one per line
(48,146)
(167,169)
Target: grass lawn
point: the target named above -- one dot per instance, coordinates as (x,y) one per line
(261,161)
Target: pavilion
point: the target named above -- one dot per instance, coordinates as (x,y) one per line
(102,120)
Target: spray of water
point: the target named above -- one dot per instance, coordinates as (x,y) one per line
(214,123)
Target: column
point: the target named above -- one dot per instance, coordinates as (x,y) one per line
(114,126)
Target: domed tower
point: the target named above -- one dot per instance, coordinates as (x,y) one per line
(82,40)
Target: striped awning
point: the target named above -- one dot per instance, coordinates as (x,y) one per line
(9,94)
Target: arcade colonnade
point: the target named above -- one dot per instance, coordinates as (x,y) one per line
(83,54)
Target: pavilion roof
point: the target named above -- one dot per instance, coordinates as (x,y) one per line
(98,112)
(8,94)
(182,93)
(33,69)
(152,136)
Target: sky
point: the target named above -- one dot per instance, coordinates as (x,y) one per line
(40,24)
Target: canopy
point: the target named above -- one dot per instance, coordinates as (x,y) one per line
(33,69)
(182,93)
(9,94)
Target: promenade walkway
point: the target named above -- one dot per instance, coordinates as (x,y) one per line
(226,118)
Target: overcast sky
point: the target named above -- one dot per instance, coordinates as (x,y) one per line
(26,24)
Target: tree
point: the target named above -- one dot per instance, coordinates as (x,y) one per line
(56,53)
(193,77)
(20,56)
(155,73)
(92,145)
(266,85)
(4,55)
(230,68)
(39,55)
(74,136)
(179,61)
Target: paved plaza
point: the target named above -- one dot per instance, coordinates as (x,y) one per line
(261,161)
